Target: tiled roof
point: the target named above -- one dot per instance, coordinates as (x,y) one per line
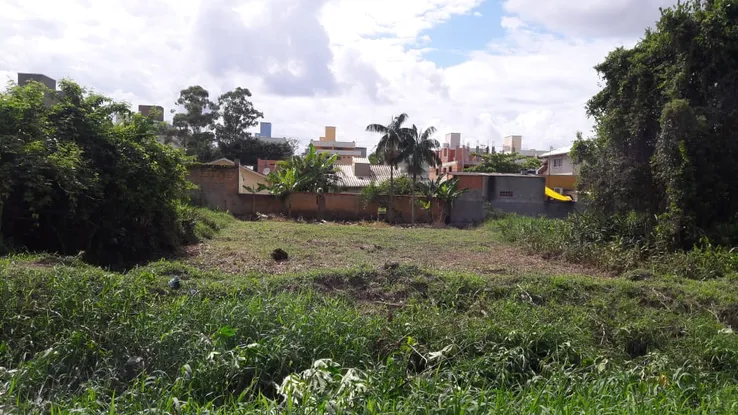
(380,173)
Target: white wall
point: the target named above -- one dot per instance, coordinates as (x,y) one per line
(566,167)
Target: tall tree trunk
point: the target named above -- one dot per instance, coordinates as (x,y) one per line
(392,194)
(412,199)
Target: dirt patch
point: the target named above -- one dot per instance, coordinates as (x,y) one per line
(193,250)
(246,247)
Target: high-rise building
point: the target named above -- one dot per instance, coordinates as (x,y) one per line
(154,111)
(346,150)
(456,157)
(512,144)
(24,78)
(49,98)
(265,130)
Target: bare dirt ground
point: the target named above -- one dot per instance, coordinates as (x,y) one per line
(245,247)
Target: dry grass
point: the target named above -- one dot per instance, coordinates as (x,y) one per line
(245,247)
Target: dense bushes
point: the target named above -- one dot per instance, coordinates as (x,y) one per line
(666,138)
(74,180)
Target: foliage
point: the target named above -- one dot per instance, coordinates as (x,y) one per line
(419,151)
(75,181)
(230,344)
(375,158)
(504,163)
(447,192)
(314,172)
(618,245)
(403,186)
(208,130)
(665,143)
(192,129)
(390,147)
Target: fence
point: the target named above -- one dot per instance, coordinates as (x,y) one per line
(218,188)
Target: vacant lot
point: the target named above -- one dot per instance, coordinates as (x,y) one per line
(246,248)
(361,319)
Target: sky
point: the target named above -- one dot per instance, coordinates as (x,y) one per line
(483,68)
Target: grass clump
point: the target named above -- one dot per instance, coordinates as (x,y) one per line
(619,246)
(396,339)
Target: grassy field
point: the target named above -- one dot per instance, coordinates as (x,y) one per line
(362,318)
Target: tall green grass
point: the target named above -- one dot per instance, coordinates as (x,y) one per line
(619,250)
(422,342)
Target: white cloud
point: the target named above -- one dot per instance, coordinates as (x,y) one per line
(346,63)
(618,18)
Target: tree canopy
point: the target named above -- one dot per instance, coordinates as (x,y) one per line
(666,137)
(208,130)
(504,163)
(73,180)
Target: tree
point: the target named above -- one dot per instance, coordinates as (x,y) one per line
(666,136)
(237,115)
(390,148)
(375,158)
(73,181)
(447,192)
(309,173)
(231,131)
(419,151)
(208,130)
(504,163)
(193,129)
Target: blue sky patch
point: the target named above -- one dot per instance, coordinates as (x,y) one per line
(454,39)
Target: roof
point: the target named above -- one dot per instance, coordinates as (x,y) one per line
(558,152)
(361,160)
(473,173)
(380,173)
(222,161)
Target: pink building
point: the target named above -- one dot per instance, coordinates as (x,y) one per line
(455,157)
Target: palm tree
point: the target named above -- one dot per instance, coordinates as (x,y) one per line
(418,151)
(306,173)
(316,170)
(447,192)
(390,148)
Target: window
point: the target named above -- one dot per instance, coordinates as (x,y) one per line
(558,162)
(506,193)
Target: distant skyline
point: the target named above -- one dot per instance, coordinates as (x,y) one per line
(482,68)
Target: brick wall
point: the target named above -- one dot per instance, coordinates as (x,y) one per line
(218,189)
(217,186)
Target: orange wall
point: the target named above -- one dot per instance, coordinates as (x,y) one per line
(471,182)
(564,182)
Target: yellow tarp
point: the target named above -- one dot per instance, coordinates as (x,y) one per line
(558,196)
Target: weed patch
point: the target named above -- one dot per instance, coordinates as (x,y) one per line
(78,338)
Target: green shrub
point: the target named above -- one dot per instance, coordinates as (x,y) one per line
(619,244)
(73,180)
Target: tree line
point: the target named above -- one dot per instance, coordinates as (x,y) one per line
(208,129)
(662,160)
